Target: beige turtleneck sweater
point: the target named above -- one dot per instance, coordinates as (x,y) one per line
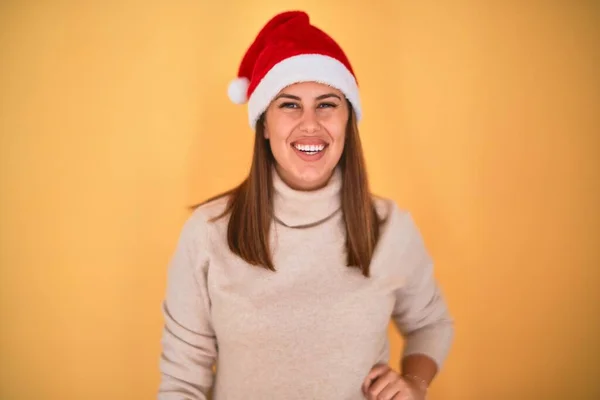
(311,330)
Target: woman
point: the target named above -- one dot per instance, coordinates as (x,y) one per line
(287,283)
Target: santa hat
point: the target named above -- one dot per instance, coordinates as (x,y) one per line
(288,50)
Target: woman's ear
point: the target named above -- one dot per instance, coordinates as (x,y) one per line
(265,130)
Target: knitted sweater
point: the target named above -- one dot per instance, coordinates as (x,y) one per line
(311,330)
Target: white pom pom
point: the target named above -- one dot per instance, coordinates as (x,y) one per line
(238,90)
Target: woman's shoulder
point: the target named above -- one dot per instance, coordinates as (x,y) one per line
(197,225)
(395,217)
(387,207)
(211,209)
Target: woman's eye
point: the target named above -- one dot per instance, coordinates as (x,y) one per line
(327,105)
(296,105)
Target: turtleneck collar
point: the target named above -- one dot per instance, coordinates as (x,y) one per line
(296,208)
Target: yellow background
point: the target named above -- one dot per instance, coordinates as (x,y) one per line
(482,118)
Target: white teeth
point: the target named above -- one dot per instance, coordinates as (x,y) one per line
(310,148)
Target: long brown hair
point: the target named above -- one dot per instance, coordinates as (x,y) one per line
(250,204)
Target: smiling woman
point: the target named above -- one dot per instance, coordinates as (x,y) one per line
(306,127)
(288,281)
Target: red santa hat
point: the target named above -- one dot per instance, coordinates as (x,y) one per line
(288,50)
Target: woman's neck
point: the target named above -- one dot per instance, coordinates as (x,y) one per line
(295,207)
(298,184)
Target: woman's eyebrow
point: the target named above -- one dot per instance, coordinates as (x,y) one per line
(324,96)
(321,97)
(287,96)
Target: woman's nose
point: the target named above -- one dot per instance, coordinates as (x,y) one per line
(310,122)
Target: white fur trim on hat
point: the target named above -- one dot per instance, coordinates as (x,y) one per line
(303,68)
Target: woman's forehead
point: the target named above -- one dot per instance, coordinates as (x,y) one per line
(309,89)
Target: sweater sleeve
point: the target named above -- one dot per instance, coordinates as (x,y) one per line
(188,341)
(420,313)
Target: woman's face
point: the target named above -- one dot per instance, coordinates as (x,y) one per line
(306,127)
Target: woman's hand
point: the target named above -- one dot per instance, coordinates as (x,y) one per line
(383,383)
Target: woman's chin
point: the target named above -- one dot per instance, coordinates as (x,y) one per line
(311,177)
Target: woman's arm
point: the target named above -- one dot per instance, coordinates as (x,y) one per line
(421,313)
(420,369)
(188,341)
